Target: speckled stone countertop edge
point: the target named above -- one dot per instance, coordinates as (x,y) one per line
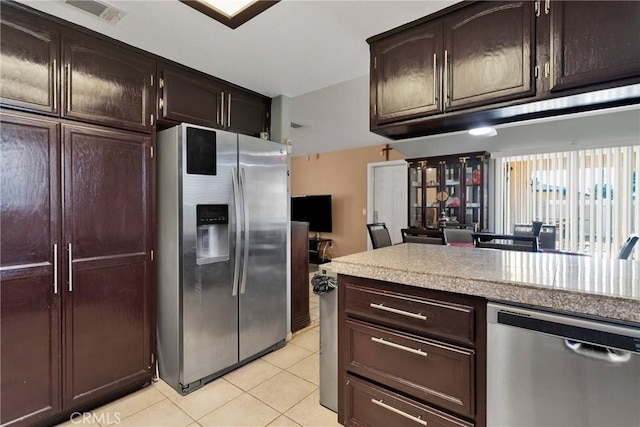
(568,300)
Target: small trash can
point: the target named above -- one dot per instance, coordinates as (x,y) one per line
(324,284)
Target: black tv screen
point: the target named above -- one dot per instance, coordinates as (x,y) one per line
(316,210)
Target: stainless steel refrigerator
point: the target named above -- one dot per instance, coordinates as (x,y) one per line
(221,257)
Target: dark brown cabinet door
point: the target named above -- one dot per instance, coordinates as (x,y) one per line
(29,55)
(489,53)
(405,74)
(107,292)
(594,42)
(30,285)
(247,112)
(107,84)
(299,275)
(191,97)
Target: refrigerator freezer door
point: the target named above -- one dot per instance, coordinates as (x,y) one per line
(263,279)
(209,308)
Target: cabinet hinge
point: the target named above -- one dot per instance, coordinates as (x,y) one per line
(161,103)
(151,249)
(152,120)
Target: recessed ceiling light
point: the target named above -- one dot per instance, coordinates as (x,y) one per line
(229,7)
(232,13)
(483,131)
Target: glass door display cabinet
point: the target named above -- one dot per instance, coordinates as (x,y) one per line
(449,190)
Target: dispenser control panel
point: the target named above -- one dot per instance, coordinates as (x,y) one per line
(212,214)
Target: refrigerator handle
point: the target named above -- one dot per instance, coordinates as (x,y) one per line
(236,266)
(245,260)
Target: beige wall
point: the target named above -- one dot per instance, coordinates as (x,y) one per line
(343,174)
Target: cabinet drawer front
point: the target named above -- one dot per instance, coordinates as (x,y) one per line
(429,370)
(370,405)
(414,314)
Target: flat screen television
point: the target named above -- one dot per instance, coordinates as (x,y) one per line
(316,210)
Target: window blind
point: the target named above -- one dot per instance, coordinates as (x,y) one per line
(590,196)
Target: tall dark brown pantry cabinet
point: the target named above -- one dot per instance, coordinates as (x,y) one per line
(31,276)
(75,267)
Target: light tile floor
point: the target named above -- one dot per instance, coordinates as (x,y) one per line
(279,389)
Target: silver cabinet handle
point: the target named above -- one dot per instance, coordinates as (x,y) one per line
(68,83)
(381,403)
(245,260)
(435,82)
(446,78)
(236,266)
(55,85)
(222,109)
(396,311)
(547,6)
(55,268)
(229,111)
(70,269)
(419,352)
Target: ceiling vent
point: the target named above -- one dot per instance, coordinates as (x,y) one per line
(296,125)
(102,10)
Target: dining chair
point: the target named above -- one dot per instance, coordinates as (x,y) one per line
(510,242)
(458,235)
(419,235)
(627,247)
(379,235)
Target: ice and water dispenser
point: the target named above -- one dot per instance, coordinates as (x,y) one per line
(212,239)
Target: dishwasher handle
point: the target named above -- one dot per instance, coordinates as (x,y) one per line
(597,352)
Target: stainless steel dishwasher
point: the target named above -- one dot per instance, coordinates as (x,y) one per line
(549,369)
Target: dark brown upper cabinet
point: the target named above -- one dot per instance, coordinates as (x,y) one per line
(193,97)
(29,59)
(247,112)
(479,54)
(502,62)
(405,74)
(107,84)
(594,42)
(189,96)
(489,54)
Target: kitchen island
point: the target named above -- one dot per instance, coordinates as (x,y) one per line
(413,323)
(578,284)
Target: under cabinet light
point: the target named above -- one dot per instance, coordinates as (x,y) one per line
(483,131)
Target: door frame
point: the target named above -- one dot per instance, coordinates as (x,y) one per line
(371,189)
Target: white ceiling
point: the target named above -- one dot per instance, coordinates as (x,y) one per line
(311,51)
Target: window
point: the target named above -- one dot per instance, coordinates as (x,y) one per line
(590,196)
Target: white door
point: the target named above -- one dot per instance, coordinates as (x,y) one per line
(387,197)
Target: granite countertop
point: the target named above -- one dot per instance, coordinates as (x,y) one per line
(600,287)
